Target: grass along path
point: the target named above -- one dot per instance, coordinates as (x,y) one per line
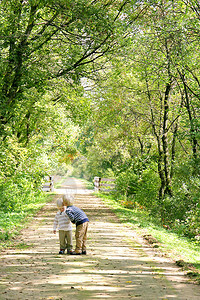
(180,249)
(119,265)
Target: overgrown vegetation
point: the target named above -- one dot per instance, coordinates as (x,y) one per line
(13,220)
(145,123)
(47,48)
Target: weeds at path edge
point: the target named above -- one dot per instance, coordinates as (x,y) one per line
(183,251)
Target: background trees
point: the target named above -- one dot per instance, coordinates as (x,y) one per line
(145,114)
(46,48)
(114,84)
(45,41)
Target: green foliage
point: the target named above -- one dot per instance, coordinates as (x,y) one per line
(112,87)
(24,165)
(144,116)
(15,192)
(189,225)
(147,192)
(12,221)
(19,179)
(80,168)
(46,46)
(127,183)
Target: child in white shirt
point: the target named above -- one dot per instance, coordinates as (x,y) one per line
(64,225)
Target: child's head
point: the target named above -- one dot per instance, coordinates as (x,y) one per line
(60,204)
(68,200)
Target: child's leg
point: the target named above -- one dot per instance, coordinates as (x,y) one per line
(85,237)
(68,235)
(79,237)
(62,239)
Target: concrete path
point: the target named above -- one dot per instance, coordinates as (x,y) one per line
(118,264)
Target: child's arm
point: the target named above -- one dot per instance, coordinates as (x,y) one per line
(55,224)
(70,214)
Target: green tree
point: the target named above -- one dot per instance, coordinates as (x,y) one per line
(146,110)
(44,41)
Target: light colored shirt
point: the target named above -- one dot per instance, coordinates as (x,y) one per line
(62,221)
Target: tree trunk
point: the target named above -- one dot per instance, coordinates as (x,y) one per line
(168,189)
(191,119)
(160,152)
(173,149)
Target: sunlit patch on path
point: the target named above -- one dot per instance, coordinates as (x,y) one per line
(72,186)
(118,264)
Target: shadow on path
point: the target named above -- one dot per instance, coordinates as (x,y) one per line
(118,264)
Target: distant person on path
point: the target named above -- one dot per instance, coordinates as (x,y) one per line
(64,225)
(78,217)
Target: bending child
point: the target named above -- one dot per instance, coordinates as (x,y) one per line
(64,225)
(78,217)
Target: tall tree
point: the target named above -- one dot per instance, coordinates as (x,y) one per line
(44,41)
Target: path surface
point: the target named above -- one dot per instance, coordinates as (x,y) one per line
(118,264)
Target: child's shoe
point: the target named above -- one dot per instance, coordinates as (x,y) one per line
(62,251)
(84,252)
(75,253)
(69,251)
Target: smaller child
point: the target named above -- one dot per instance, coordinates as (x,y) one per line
(78,217)
(64,225)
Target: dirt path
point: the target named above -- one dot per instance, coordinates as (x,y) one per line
(118,264)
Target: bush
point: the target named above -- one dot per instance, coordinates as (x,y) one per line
(127,183)
(12,221)
(189,224)
(147,191)
(16,191)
